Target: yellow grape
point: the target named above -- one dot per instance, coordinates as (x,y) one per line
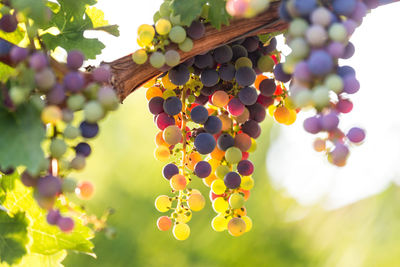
(253,146)
(236,201)
(145,38)
(214,164)
(220,205)
(271,109)
(162,153)
(178,182)
(218,187)
(196,202)
(249,223)
(168,93)
(181,231)
(145,28)
(163,26)
(282,114)
(164,223)
(160,139)
(139,56)
(236,227)
(195,191)
(226,122)
(184,217)
(247,183)
(292,117)
(219,223)
(163,203)
(51,114)
(217,154)
(167,83)
(220,99)
(153,92)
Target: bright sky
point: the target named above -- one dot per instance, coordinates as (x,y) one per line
(292,163)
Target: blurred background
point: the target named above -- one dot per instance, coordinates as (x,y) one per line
(305,212)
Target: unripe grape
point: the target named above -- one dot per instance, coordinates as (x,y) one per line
(58,148)
(139,56)
(186,45)
(220,205)
(78,163)
(172,135)
(157,60)
(76,102)
(219,223)
(236,201)
(233,155)
(51,114)
(68,185)
(163,203)
(247,183)
(181,231)
(236,227)
(163,26)
(196,202)
(177,34)
(93,111)
(164,223)
(85,190)
(248,222)
(178,182)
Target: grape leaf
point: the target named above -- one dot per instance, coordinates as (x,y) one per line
(47,239)
(7,182)
(188,10)
(13,237)
(99,23)
(34,259)
(34,9)
(5,72)
(217,14)
(20,138)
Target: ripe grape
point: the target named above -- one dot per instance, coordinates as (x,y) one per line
(65,224)
(196,30)
(164,223)
(209,77)
(18,54)
(227,72)
(236,226)
(202,169)
(251,128)
(235,107)
(181,231)
(257,112)
(179,75)
(74,81)
(225,141)
(199,114)
(48,186)
(163,120)
(53,216)
(101,74)
(170,170)
(196,202)
(220,99)
(204,61)
(8,23)
(204,143)
(223,54)
(245,76)
(213,125)
(85,190)
(178,182)
(75,59)
(83,149)
(329,122)
(162,153)
(156,105)
(172,106)
(232,180)
(89,130)
(245,168)
(356,135)
(251,44)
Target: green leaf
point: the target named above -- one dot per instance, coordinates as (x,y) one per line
(13,237)
(8,181)
(34,9)
(34,259)
(20,138)
(14,37)
(217,14)
(188,10)
(99,23)
(5,72)
(47,239)
(76,7)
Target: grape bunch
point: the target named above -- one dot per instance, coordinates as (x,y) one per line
(246,8)
(208,113)
(319,36)
(71,103)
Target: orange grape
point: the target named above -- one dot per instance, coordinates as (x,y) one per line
(164,223)
(153,92)
(178,182)
(85,190)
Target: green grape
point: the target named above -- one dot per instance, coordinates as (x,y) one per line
(38,102)
(196,202)
(76,102)
(172,135)
(91,90)
(221,171)
(236,226)
(176,20)
(163,26)
(320,96)
(108,98)
(290,63)
(163,203)
(18,95)
(298,27)
(303,98)
(334,83)
(168,93)
(243,62)
(93,111)
(300,48)
(71,132)
(78,163)
(139,56)
(219,223)
(337,32)
(157,60)
(191,99)
(45,79)
(186,45)
(236,201)
(265,64)
(181,231)
(165,10)
(58,148)
(68,185)
(67,115)
(247,183)
(220,205)
(218,187)
(177,34)
(172,58)
(233,155)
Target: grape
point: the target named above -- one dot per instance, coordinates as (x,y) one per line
(221,171)
(356,135)
(101,74)
(359,12)
(238,51)
(172,135)
(145,38)
(320,96)
(157,60)
(218,187)
(186,45)
(196,202)
(163,120)
(164,223)
(336,49)
(204,61)
(38,61)
(243,62)
(337,32)
(170,170)
(248,222)
(89,130)
(247,183)
(251,44)
(139,56)
(177,34)
(53,216)
(209,77)
(344,7)
(202,169)
(351,85)
(220,99)
(305,7)
(298,27)
(316,36)
(245,76)
(223,54)
(196,30)
(344,106)
(74,82)
(219,223)
(56,95)
(280,75)
(242,141)
(68,185)
(207,91)
(225,141)
(75,59)
(178,182)
(199,114)
(76,102)
(213,125)
(204,143)
(172,106)
(236,201)
(348,51)
(107,98)
(163,203)
(312,125)
(265,101)
(320,63)
(18,54)
(163,26)
(300,49)
(270,47)
(245,168)
(93,111)
(226,122)
(265,64)
(237,226)
(251,128)
(344,71)
(227,72)
(319,145)
(8,23)
(220,205)
(156,105)
(48,186)
(179,75)
(58,148)
(27,179)
(371,4)
(51,114)
(78,163)
(172,58)
(329,122)
(181,231)
(233,155)
(321,16)
(83,149)
(339,154)
(201,100)
(267,87)
(67,115)
(162,153)
(235,107)
(65,224)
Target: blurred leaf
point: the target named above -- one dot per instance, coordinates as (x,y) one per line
(14,37)
(99,23)
(13,237)
(188,10)
(5,72)
(8,181)
(20,138)
(34,9)
(34,259)
(217,13)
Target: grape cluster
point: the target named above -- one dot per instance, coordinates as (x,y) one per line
(59,96)
(319,36)
(208,114)
(246,8)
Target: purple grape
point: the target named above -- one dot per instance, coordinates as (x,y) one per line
(344,7)
(209,77)
(223,54)
(267,87)
(65,224)
(225,141)
(83,149)
(344,71)
(204,61)
(196,30)
(269,48)
(248,95)
(204,143)
(89,130)
(232,180)
(344,106)
(312,125)
(302,72)
(170,170)
(202,169)
(8,23)
(350,26)
(238,51)
(227,72)
(213,125)
(49,186)
(251,43)
(245,167)
(53,216)
(28,180)
(359,12)
(156,105)
(336,49)
(280,75)
(201,99)
(329,122)
(74,81)
(235,107)
(356,135)
(207,91)
(349,51)
(284,13)
(101,74)
(305,7)
(351,84)
(199,114)
(371,4)
(251,128)
(265,101)
(257,112)
(179,75)
(163,120)
(172,106)
(38,61)
(56,95)
(189,62)
(18,54)
(75,59)
(245,76)
(339,153)
(320,63)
